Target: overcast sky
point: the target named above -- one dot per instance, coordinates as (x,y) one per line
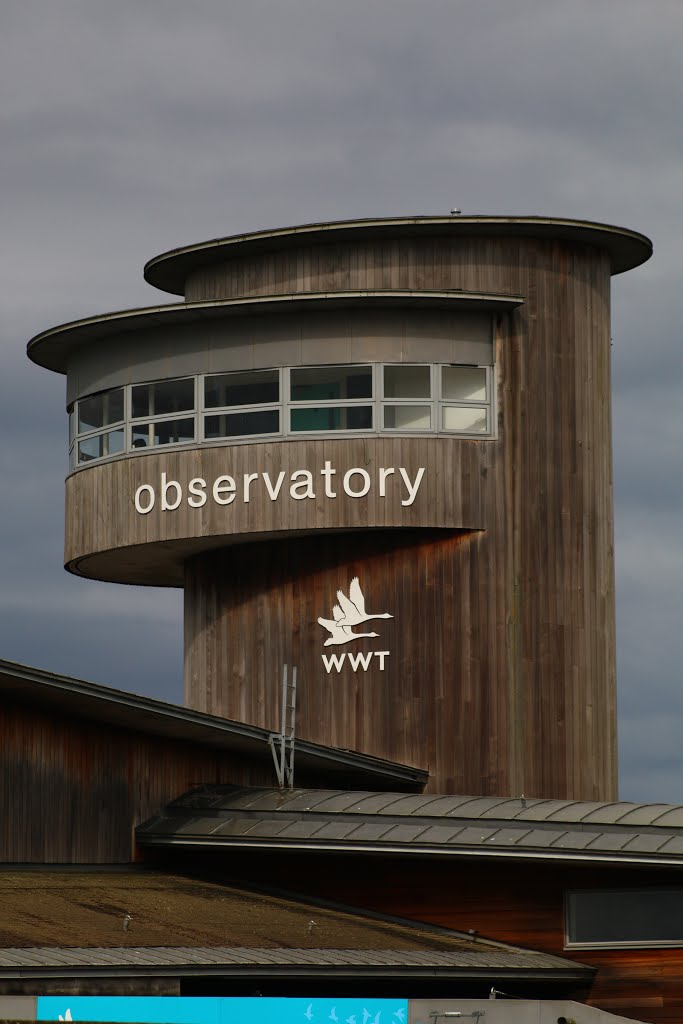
(131,127)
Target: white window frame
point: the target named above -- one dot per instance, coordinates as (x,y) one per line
(378,402)
(431,402)
(77,437)
(227,410)
(150,420)
(330,403)
(487,404)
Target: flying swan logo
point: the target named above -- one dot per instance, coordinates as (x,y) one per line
(347,613)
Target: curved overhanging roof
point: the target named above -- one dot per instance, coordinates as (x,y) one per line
(627,249)
(52,348)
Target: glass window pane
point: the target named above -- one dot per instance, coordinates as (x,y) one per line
(173,431)
(236,424)
(139,436)
(350,417)
(604,916)
(113,405)
(463,383)
(90,413)
(407,382)
(327,383)
(141,400)
(257,387)
(407,417)
(91,448)
(99,410)
(114,442)
(163,397)
(466,419)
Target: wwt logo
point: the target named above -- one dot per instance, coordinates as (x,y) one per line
(349,612)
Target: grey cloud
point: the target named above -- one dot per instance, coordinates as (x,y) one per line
(114,652)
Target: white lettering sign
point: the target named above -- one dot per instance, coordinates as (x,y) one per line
(300,485)
(331,661)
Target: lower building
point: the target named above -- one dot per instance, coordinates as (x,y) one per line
(147,850)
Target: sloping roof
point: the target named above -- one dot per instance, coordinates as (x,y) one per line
(54,921)
(94,702)
(485,826)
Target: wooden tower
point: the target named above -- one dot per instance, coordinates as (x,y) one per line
(418,404)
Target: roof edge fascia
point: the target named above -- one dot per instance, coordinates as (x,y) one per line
(169,270)
(52,347)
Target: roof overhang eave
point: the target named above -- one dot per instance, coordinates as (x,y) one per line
(52,348)
(412,850)
(229,971)
(169,270)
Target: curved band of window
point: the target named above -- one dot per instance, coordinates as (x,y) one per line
(290,401)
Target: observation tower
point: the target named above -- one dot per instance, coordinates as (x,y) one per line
(379,451)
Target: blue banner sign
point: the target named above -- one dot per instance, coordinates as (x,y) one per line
(224,1010)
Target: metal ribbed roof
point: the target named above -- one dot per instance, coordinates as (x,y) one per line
(324,801)
(329,819)
(480,958)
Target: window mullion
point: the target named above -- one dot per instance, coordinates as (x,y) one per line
(128,417)
(377,393)
(197,412)
(285,401)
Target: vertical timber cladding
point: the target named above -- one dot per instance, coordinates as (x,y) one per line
(501,673)
(491,590)
(397,693)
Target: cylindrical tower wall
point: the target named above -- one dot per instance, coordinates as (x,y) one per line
(537,682)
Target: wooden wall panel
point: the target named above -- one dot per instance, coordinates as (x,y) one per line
(72,791)
(237,638)
(363,264)
(107,538)
(442,702)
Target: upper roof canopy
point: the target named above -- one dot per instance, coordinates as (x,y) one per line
(52,347)
(170,270)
